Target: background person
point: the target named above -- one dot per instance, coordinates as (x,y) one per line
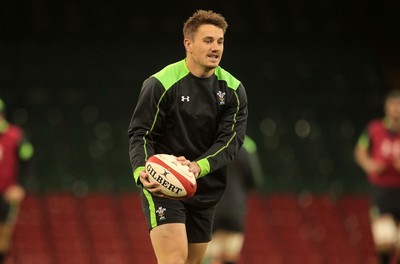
(244,175)
(15,151)
(378,154)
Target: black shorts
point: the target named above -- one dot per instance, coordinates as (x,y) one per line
(5,210)
(387,200)
(198,220)
(230,212)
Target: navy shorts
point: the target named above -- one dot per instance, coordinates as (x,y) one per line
(198,220)
(387,200)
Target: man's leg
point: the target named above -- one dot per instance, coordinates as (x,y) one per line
(384,232)
(396,257)
(8,216)
(233,246)
(5,240)
(196,253)
(170,243)
(215,248)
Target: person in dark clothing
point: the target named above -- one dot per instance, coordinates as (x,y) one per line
(197,111)
(378,154)
(244,176)
(15,152)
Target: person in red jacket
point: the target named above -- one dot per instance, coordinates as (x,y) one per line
(15,151)
(378,154)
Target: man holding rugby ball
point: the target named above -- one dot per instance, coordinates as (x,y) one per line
(197,111)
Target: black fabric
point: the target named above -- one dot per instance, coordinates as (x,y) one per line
(4,210)
(199,118)
(198,220)
(386,200)
(231,209)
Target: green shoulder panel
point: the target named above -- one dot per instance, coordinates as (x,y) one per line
(223,75)
(176,71)
(172,73)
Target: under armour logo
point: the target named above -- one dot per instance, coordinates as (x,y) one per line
(185,98)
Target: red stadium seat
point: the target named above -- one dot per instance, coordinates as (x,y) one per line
(105,228)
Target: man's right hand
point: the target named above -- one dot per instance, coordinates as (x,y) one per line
(372,166)
(14,194)
(152,187)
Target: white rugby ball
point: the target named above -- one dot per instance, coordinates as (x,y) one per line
(175,179)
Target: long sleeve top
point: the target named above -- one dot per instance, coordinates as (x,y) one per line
(203,119)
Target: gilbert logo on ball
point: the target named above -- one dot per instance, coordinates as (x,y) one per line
(175,179)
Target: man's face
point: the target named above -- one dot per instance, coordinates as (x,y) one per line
(392,108)
(207,46)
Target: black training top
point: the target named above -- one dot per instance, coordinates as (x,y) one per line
(203,119)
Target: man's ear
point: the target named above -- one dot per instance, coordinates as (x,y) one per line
(188,45)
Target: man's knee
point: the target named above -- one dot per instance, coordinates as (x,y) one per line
(233,245)
(170,243)
(385,232)
(5,237)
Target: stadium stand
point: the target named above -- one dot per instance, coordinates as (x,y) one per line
(316,71)
(281,228)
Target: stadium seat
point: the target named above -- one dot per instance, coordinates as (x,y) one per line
(108,228)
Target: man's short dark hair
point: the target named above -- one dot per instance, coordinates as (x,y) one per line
(392,94)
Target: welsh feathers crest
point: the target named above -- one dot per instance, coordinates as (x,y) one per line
(160,211)
(221,98)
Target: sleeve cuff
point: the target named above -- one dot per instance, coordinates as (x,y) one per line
(204,166)
(136,175)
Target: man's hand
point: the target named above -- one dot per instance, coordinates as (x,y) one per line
(396,164)
(372,166)
(193,166)
(152,187)
(14,194)
(366,162)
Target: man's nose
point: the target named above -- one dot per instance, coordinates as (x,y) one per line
(215,46)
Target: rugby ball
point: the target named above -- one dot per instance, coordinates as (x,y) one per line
(175,179)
